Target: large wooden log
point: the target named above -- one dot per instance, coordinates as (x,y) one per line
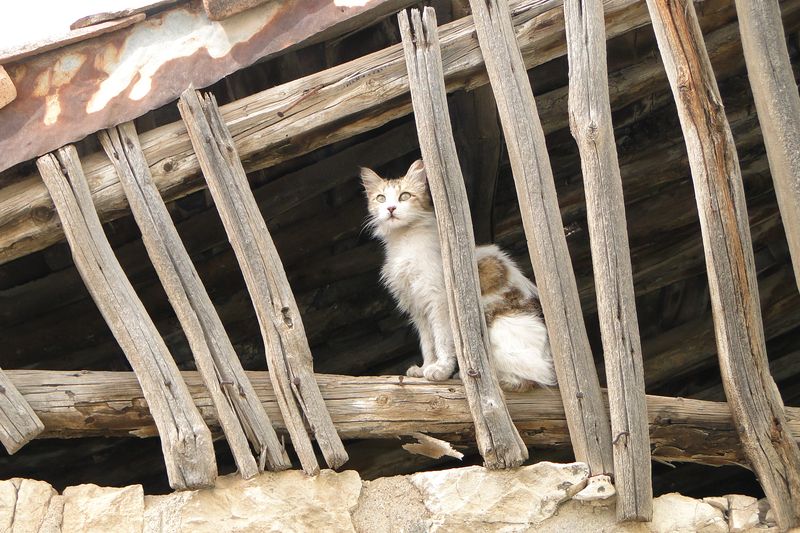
(288,353)
(241,415)
(547,245)
(778,105)
(498,440)
(590,122)
(313,111)
(76,404)
(18,423)
(185,439)
(755,401)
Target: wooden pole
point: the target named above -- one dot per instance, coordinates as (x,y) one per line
(288,353)
(547,245)
(18,422)
(185,439)
(498,441)
(590,122)
(754,399)
(238,409)
(312,111)
(778,105)
(75,404)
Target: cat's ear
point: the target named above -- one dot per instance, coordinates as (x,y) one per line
(370,179)
(417,171)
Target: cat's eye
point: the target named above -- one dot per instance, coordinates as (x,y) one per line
(380,198)
(405,196)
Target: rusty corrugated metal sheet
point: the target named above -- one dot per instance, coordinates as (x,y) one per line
(66,94)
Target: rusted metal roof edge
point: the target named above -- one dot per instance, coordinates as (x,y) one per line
(69,93)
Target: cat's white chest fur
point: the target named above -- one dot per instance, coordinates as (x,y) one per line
(413,269)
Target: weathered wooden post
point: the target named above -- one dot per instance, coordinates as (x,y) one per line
(577,377)
(288,354)
(778,104)
(239,411)
(498,439)
(590,122)
(185,439)
(755,402)
(18,422)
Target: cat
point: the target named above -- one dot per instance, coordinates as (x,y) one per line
(401,215)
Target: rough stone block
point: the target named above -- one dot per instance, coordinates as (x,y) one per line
(93,509)
(675,513)
(8,93)
(473,497)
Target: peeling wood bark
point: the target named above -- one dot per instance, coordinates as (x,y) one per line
(185,439)
(498,441)
(310,112)
(590,122)
(18,422)
(240,413)
(754,399)
(288,354)
(778,105)
(547,245)
(75,404)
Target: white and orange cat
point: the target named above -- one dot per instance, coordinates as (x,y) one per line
(402,216)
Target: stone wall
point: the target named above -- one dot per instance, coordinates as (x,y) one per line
(532,498)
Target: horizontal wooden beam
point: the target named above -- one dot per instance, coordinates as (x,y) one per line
(88,404)
(297,117)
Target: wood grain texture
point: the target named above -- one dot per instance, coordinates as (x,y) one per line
(240,413)
(311,112)
(498,441)
(590,122)
(75,404)
(778,105)
(754,399)
(288,354)
(185,439)
(547,245)
(18,422)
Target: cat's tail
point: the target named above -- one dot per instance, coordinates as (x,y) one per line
(521,350)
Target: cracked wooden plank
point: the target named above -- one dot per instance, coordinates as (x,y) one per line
(185,439)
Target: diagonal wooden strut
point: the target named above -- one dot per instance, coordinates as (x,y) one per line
(577,377)
(185,439)
(240,413)
(287,350)
(498,440)
(755,402)
(590,122)
(18,423)
(778,104)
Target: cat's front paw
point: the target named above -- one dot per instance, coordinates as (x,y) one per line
(438,372)
(414,372)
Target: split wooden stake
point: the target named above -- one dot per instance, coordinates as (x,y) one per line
(755,402)
(577,377)
(498,440)
(240,413)
(185,439)
(778,104)
(590,122)
(18,423)
(288,353)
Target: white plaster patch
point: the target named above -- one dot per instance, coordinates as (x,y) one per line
(176,34)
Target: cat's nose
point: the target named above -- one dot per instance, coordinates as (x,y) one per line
(391,209)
